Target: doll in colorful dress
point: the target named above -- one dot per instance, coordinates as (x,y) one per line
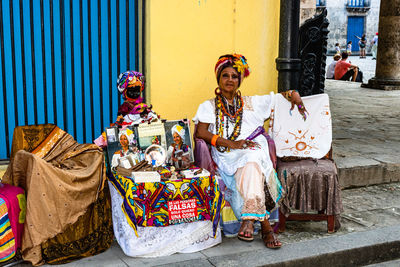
(133,110)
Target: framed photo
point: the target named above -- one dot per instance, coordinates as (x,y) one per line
(150,134)
(122,147)
(179,143)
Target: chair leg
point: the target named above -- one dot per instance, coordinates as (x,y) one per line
(331,223)
(282,222)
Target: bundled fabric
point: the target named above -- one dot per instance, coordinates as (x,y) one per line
(62,179)
(12,218)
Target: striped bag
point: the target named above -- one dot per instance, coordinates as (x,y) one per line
(12,218)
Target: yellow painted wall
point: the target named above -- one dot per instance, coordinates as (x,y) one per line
(186,37)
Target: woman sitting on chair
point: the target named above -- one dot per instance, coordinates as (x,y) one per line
(225,122)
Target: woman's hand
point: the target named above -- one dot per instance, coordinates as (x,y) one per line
(242,144)
(296,100)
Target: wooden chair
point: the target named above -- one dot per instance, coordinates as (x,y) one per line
(319,176)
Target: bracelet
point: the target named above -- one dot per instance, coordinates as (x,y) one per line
(288,94)
(214,140)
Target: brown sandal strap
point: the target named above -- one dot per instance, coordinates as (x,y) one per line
(274,242)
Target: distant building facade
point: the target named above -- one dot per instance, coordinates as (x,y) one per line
(348,19)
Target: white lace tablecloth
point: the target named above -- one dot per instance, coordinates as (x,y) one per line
(160,241)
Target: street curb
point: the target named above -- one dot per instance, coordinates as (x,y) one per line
(369,174)
(354,249)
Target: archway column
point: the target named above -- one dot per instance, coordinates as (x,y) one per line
(387,73)
(288,64)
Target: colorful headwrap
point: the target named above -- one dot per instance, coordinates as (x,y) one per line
(237,61)
(179,130)
(130,78)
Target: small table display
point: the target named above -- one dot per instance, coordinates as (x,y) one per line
(161,203)
(169,202)
(152,181)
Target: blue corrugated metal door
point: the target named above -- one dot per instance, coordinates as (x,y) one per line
(355,27)
(59,63)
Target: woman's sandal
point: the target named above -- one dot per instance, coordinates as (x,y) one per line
(273,242)
(244,228)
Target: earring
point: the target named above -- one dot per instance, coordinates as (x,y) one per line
(217,91)
(238,93)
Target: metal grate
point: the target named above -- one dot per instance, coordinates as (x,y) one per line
(59,63)
(355,3)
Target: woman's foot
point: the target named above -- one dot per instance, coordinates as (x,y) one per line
(246,230)
(268,236)
(270,240)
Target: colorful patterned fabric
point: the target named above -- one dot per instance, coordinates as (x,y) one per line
(146,204)
(7,241)
(130,78)
(236,61)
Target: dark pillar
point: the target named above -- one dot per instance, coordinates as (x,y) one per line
(288,64)
(387,74)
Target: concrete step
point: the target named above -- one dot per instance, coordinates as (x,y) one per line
(354,249)
(360,171)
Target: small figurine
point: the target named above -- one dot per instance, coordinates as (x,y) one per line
(173,174)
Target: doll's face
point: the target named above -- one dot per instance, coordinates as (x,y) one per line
(133,92)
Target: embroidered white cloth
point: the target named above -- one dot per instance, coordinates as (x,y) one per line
(295,137)
(160,241)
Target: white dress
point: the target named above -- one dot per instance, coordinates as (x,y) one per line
(244,170)
(256,110)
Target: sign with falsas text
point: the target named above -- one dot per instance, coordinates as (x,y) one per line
(182,211)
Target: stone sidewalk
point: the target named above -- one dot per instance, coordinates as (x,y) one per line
(370,227)
(366,140)
(366,147)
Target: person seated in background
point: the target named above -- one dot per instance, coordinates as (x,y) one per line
(330,73)
(345,70)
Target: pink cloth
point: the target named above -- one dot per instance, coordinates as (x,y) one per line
(202,155)
(100,141)
(16,209)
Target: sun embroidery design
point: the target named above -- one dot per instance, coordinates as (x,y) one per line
(303,143)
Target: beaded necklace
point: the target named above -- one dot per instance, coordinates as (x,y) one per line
(222,118)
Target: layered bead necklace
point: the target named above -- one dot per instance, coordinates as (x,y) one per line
(223,117)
